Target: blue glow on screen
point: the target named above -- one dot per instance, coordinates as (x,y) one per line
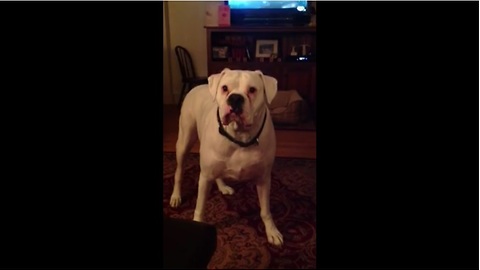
(255,4)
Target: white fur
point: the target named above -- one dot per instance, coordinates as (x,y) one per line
(219,158)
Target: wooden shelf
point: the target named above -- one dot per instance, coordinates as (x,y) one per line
(257,63)
(297,75)
(270,29)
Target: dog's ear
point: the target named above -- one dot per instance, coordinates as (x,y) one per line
(213,82)
(270,84)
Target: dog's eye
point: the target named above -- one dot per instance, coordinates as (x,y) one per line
(252,90)
(224,88)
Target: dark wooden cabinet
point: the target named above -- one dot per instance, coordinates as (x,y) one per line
(300,77)
(237,43)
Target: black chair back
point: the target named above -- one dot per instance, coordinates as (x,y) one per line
(185,62)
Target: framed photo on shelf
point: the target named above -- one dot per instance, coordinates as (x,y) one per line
(265,48)
(220,53)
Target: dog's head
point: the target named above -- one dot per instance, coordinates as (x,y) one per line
(241,95)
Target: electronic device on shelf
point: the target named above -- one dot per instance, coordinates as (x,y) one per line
(268,13)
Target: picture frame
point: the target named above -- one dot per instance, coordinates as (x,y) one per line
(220,52)
(265,48)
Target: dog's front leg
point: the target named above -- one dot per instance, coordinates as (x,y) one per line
(204,186)
(274,237)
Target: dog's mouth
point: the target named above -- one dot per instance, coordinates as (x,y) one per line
(229,117)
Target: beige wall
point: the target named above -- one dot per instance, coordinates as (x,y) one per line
(185,23)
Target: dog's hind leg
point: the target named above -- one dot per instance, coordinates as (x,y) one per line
(223,188)
(187,136)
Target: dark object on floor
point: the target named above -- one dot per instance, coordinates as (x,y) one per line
(189,77)
(187,243)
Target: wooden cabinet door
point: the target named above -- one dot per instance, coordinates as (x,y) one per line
(273,71)
(313,92)
(301,77)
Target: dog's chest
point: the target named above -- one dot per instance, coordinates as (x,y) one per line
(240,165)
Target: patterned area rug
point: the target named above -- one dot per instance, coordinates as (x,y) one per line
(241,241)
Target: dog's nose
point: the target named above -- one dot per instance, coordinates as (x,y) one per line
(236,102)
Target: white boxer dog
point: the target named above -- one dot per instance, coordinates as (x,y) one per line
(230,116)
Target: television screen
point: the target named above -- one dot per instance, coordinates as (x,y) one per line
(255,4)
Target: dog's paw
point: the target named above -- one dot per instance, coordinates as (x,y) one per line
(175,201)
(226,190)
(274,237)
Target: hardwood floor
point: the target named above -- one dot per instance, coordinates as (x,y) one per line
(290,143)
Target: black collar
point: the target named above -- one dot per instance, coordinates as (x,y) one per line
(254,140)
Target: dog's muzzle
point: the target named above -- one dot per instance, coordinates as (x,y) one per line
(236,103)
